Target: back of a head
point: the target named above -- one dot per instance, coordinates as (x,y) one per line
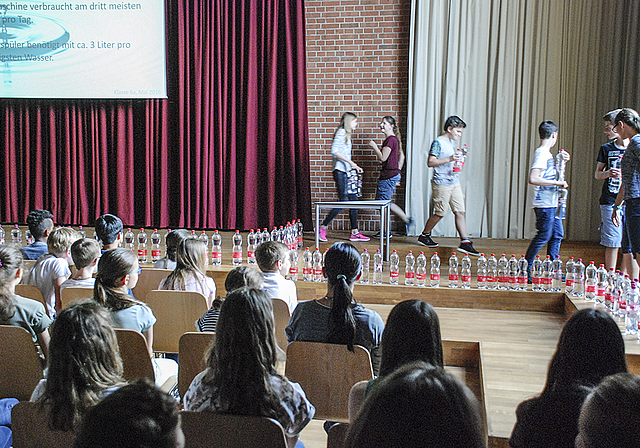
(191,255)
(610,117)
(590,347)
(419,405)
(546,129)
(412,333)
(138,415)
(39,221)
(242,277)
(61,239)
(454,122)
(610,414)
(84,251)
(108,227)
(10,261)
(113,266)
(630,117)
(173,240)
(269,253)
(83,360)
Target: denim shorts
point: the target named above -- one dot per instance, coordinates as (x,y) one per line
(632,221)
(386,188)
(610,234)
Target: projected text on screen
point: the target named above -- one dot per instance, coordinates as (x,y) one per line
(82,49)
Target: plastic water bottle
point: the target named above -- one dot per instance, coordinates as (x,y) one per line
(307,266)
(82,232)
(625,288)
(556,283)
(631,318)
(465,272)
(293,270)
(481,272)
(536,274)
(513,273)
(523,270)
(216,248)
(324,256)
(453,271)
(614,183)
(394,268)
(251,247)
(273,236)
(570,279)
(16,235)
(129,240)
(317,265)
(377,268)
(590,282)
(28,237)
(366,263)
(409,269)
(142,246)
(1,235)
(237,248)
(266,236)
(601,283)
(503,272)
(547,274)
(421,270)
(561,164)
(300,234)
(578,290)
(156,248)
(435,271)
(609,288)
(492,272)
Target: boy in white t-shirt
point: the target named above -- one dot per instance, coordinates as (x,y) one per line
(543,177)
(273,260)
(85,254)
(52,269)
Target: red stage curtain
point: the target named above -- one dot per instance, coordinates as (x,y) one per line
(228,149)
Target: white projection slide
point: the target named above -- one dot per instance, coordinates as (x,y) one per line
(82,49)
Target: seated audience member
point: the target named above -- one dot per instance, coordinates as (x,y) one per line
(610,414)
(52,270)
(412,333)
(84,364)
(241,376)
(138,415)
(273,260)
(240,277)
(336,318)
(85,254)
(590,348)
(16,310)
(109,231)
(40,224)
(419,405)
(118,272)
(172,240)
(190,271)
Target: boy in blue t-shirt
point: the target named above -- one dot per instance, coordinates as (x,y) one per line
(543,177)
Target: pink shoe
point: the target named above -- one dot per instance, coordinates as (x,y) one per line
(322,234)
(359,237)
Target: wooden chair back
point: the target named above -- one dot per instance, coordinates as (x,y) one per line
(326,373)
(148,280)
(281,316)
(633,363)
(211,430)
(27,265)
(135,356)
(29,424)
(192,348)
(177,313)
(20,367)
(74,294)
(30,292)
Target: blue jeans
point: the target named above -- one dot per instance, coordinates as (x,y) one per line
(550,231)
(632,223)
(341,182)
(386,187)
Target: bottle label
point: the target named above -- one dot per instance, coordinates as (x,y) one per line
(155,253)
(299,240)
(482,278)
(492,278)
(142,252)
(513,279)
(607,297)
(409,274)
(317,272)
(216,254)
(421,276)
(522,280)
(251,253)
(394,274)
(435,277)
(293,271)
(237,255)
(453,277)
(591,288)
(570,282)
(600,292)
(466,278)
(503,279)
(536,280)
(622,305)
(547,281)
(307,271)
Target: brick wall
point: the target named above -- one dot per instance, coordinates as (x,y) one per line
(357,61)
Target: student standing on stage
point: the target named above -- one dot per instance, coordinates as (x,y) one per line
(392,158)
(543,178)
(446,185)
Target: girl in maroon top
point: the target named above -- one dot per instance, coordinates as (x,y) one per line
(392,158)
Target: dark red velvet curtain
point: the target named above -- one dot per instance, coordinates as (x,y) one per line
(228,149)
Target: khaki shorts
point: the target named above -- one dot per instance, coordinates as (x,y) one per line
(443,195)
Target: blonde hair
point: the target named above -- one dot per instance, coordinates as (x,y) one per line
(61,239)
(345,123)
(191,260)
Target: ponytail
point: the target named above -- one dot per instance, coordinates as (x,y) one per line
(114,265)
(10,262)
(629,117)
(396,130)
(342,267)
